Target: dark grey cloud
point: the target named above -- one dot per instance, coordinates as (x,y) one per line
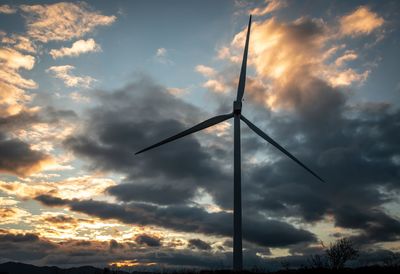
(256,229)
(154,191)
(134,117)
(377,226)
(23,119)
(148,240)
(199,244)
(24,246)
(15,238)
(352,146)
(16,157)
(114,244)
(353,192)
(71,253)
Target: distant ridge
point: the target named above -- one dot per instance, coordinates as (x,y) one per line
(20,268)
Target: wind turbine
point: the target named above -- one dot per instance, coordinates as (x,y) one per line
(237,116)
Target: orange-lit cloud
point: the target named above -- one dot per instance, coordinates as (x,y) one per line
(285,55)
(45,136)
(347,56)
(62,21)
(19,42)
(84,187)
(7,9)
(10,213)
(221,129)
(347,77)
(59,225)
(205,71)
(77,48)
(130,263)
(78,97)
(177,91)
(361,21)
(21,161)
(216,83)
(12,94)
(12,59)
(70,80)
(271,5)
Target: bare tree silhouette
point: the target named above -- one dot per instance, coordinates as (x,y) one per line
(393,260)
(340,252)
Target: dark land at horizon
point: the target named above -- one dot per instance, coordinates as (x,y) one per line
(21,268)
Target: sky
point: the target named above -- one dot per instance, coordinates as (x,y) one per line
(84,85)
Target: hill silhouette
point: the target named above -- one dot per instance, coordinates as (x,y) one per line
(21,268)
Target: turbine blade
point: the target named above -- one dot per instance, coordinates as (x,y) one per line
(242,78)
(275,144)
(207,123)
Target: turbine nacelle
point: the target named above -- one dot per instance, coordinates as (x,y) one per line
(237,107)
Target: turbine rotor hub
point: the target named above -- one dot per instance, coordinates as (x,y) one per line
(237,107)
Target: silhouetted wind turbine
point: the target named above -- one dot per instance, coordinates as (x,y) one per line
(237,116)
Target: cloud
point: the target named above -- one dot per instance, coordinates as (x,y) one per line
(205,71)
(16,157)
(15,60)
(105,140)
(4,201)
(199,244)
(25,44)
(347,56)
(63,73)
(299,104)
(62,21)
(348,76)
(35,249)
(361,21)
(297,93)
(7,9)
(43,128)
(71,188)
(292,191)
(161,56)
(58,226)
(285,53)
(78,47)
(78,97)
(256,229)
(10,213)
(13,96)
(20,42)
(27,246)
(177,91)
(163,178)
(216,83)
(161,52)
(148,240)
(20,124)
(272,5)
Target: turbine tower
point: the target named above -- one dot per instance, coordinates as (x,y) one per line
(237,116)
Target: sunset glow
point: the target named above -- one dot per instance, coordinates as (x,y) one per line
(85,85)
